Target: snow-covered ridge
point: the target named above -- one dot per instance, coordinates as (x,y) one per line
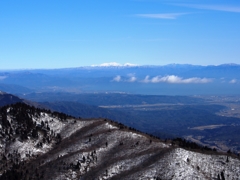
(114,64)
(48,145)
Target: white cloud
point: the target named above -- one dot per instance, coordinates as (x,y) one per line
(233,81)
(146,79)
(132,79)
(120,79)
(175,80)
(162,15)
(235,9)
(117,79)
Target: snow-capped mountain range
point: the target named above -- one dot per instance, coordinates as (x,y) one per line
(115,64)
(129,78)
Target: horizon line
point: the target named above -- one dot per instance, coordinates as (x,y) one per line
(119,65)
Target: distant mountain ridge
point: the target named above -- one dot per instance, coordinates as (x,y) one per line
(172,79)
(14,89)
(6,99)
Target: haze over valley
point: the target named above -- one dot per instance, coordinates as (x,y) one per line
(173,79)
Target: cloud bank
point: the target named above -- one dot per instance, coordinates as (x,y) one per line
(176,80)
(172,79)
(120,79)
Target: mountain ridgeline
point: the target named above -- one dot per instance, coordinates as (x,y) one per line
(174,79)
(6,99)
(41,144)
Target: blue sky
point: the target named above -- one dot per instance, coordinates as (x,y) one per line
(73,33)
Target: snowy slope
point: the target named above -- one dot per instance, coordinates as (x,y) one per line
(47,145)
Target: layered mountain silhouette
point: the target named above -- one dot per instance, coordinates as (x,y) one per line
(173,79)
